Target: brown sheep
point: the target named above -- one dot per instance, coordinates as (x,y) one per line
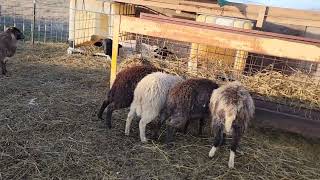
(122,91)
(8,45)
(187,101)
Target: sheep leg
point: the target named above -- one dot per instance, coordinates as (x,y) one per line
(201,124)
(170,134)
(3,66)
(236,135)
(186,126)
(156,129)
(218,139)
(130,117)
(110,109)
(142,127)
(102,108)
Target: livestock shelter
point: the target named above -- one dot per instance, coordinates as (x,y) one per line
(58,79)
(274,51)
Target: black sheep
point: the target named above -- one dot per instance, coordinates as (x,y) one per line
(107,46)
(162,53)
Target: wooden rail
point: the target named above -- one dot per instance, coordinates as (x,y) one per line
(253,12)
(190,31)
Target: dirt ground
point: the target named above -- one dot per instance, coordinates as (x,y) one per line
(49,130)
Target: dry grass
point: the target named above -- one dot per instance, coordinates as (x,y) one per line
(59,137)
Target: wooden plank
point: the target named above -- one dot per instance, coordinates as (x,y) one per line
(226,39)
(228,29)
(115,44)
(297,120)
(261,16)
(276,15)
(270,119)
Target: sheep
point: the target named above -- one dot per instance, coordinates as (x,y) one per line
(231,108)
(121,93)
(107,46)
(187,101)
(149,99)
(162,53)
(8,45)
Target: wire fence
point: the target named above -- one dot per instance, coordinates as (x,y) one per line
(40,21)
(283,85)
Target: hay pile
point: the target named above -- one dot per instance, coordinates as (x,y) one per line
(297,90)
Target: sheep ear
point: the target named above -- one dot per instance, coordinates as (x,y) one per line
(8,28)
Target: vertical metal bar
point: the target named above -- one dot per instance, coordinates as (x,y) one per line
(33,22)
(56,29)
(116,32)
(62,32)
(51,30)
(45,31)
(39,31)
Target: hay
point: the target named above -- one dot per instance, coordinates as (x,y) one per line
(297,90)
(60,137)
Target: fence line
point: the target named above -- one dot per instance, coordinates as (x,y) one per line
(40,21)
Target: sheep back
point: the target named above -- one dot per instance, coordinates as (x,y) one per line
(231,104)
(122,90)
(151,93)
(190,99)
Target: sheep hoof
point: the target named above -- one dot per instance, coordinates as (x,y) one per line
(144,140)
(127,133)
(231,160)
(212,151)
(231,164)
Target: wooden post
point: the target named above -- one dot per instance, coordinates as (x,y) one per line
(116,33)
(261,16)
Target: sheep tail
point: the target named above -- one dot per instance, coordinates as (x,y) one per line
(229,118)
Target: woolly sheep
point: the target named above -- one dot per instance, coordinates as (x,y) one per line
(121,93)
(187,101)
(149,98)
(231,108)
(8,45)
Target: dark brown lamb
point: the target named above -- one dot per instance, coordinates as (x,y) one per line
(188,101)
(122,91)
(8,45)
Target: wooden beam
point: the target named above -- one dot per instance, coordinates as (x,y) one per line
(232,39)
(228,29)
(115,44)
(275,15)
(261,16)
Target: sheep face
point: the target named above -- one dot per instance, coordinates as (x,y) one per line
(16,32)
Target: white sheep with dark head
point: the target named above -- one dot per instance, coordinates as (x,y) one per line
(231,108)
(149,100)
